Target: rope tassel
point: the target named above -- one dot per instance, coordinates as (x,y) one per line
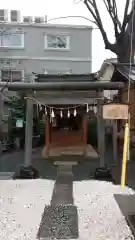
(87,109)
(68,114)
(45,111)
(61,114)
(52,114)
(40,107)
(75,112)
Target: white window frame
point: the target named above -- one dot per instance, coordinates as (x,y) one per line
(14,70)
(14,47)
(57,49)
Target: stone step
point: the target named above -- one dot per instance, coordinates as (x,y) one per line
(6,175)
(65,163)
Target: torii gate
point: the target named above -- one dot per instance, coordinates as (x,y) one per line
(61,86)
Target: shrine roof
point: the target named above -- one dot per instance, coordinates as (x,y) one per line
(90,77)
(116,72)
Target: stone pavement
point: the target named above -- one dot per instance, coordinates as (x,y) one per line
(9,161)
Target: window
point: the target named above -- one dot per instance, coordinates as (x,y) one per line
(57,42)
(12,40)
(12,75)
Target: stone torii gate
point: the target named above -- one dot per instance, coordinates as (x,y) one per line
(61,86)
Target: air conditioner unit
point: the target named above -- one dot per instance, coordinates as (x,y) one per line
(28,19)
(38,19)
(3,15)
(15,16)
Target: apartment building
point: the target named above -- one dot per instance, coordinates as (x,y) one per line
(32,45)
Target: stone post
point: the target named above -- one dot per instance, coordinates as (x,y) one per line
(114,137)
(28,132)
(100,130)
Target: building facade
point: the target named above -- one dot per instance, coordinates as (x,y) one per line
(41,47)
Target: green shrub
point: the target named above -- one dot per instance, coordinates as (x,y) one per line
(41,127)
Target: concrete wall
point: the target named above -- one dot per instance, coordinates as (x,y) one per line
(34,58)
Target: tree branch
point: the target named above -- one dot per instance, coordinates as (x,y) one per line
(126,18)
(97,12)
(93,9)
(116,14)
(112,10)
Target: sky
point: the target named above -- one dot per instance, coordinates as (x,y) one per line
(60,8)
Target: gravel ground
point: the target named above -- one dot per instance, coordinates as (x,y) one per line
(99,217)
(21,206)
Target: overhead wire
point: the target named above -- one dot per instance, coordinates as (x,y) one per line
(72,16)
(77,1)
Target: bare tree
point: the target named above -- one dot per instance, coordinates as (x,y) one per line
(124,45)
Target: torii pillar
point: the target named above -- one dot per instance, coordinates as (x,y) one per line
(28,132)
(100,130)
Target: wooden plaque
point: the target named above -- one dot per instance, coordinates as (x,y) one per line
(115,111)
